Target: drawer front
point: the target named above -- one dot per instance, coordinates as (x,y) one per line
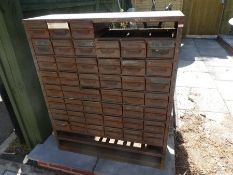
(74,107)
(38,33)
(159,68)
(133,112)
(61,125)
(133,123)
(43,50)
(110,81)
(133,44)
(62,43)
(50,80)
(83,43)
(133,83)
(85,51)
(81,25)
(115,122)
(69,51)
(49,66)
(155,114)
(78,127)
(41,42)
(69,67)
(133,136)
(69,81)
(109,66)
(154,129)
(89,80)
(157,84)
(94,119)
(45,59)
(95,130)
(161,42)
(107,44)
(108,53)
(63,59)
(160,52)
(90,94)
(113,133)
(59,114)
(153,139)
(133,53)
(69,94)
(83,33)
(56,105)
(87,65)
(92,107)
(59,33)
(75,114)
(133,98)
(156,100)
(53,93)
(52,87)
(77,119)
(111,96)
(133,67)
(112,109)
(35,25)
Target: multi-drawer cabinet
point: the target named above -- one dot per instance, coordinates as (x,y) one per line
(101,81)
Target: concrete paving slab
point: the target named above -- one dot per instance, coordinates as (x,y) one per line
(50,153)
(207,44)
(187,43)
(225,62)
(189,54)
(191,66)
(229,104)
(213,52)
(225,89)
(194,79)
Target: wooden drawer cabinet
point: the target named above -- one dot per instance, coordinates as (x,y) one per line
(105,84)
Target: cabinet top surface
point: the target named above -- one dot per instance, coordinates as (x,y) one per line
(114,17)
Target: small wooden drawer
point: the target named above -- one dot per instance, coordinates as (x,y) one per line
(48,74)
(153,127)
(109,66)
(153,139)
(59,33)
(83,43)
(81,24)
(130,123)
(62,43)
(95,130)
(78,119)
(133,111)
(133,67)
(35,25)
(113,133)
(67,67)
(94,119)
(45,59)
(71,89)
(74,107)
(133,83)
(87,65)
(85,51)
(83,33)
(133,136)
(107,44)
(41,42)
(156,100)
(56,105)
(55,99)
(157,84)
(89,80)
(133,98)
(160,53)
(90,94)
(108,53)
(61,125)
(50,80)
(68,79)
(68,51)
(49,66)
(59,114)
(64,59)
(43,50)
(38,33)
(115,122)
(54,93)
(52,87)
(110,81)
(157,114)
(161,42)
(78,127)
(92,107)
(111,96)
(72,94)
(133,49)
(75,114)
(112,109)
(159,67)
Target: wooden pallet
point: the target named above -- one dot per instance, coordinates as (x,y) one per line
(119,150)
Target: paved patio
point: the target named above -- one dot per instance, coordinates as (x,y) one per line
(205,79)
